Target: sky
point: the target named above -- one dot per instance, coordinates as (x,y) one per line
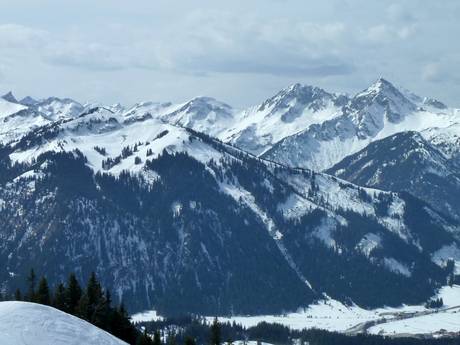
(240,52)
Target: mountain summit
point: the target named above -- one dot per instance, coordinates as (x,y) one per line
(10,97)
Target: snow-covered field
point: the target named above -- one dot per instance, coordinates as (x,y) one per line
(334,316)
(23,323)
(436,324)
(150,315)
(446,319)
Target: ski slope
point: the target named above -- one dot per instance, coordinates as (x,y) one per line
(23,323)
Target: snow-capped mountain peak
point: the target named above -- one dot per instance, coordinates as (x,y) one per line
(29,101)
(58,108)
(204,114)
(385,95)
(299,96)
(291,110)
(10,97)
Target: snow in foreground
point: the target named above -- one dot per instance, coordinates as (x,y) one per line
(334,316)
(23,323)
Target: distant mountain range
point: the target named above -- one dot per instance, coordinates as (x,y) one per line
(198,207)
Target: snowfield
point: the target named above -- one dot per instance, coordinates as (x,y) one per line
(23,323)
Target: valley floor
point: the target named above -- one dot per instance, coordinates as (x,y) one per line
(332,315)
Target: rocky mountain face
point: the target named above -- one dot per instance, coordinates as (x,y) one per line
(406,162)
(197,207)
(377,112)
(293,109)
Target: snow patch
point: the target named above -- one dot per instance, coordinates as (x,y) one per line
(397,267)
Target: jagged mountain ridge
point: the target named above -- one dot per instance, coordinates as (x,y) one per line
(173,219)
(17,118)
(302,125)
(377,112)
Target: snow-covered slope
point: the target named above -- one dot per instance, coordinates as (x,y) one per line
(8,108)
(291,110)
(203,114)
(301,126)
(23,323)
(406,161)
(58,108)
(375,113)
(19,118)
(447,140)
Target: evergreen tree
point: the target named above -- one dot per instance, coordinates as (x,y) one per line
(215,332)
(18,295)
(43,293)
(72,294)
(124,328)
(59,301)
(144,339)
(31,281)
(95,306)
(189,341)
(94,290)
(83,308)
(171,338)
(157,338)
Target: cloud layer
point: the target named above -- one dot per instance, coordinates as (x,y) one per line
(238,51)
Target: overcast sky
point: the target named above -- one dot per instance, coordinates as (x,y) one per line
(240,52)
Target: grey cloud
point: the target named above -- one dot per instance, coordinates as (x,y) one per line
(175,48)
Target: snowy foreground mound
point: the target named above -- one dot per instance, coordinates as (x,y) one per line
(23,323)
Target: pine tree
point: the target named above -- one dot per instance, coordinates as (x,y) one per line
(144,339)
(95,305)
(18,295)
(83,309)
(157,338)
(31,281)
(94,290)
(59,301)
(43,293)
(171,339)
(189,341)
(122,326)
(215,332)
(72,294)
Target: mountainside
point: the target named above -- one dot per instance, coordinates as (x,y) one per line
(23,323)
(406,162)
(375,113)
(174,220)
(300,126)
(18,118)
(293,109)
